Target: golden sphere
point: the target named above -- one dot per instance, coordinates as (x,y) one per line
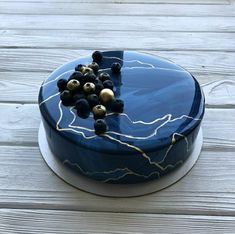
(89,87)
(73,85)
(106,95)
(99,111)
(87,70)
(94,66)
(80,67)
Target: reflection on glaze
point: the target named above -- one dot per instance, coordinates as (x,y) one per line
(50,97)
(150,66)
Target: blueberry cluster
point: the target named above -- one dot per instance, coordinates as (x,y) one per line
(89,90)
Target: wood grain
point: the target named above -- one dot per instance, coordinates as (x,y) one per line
(220,93)
(50,221)
(103,23)
(46,60)
(91,40)
(20,87)
(73,8)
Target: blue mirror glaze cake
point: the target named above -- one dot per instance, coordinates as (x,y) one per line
(121,117)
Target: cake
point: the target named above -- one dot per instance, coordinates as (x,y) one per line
(145,131)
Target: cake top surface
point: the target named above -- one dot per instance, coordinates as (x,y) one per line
(162,104)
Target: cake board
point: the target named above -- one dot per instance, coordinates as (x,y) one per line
(115,190)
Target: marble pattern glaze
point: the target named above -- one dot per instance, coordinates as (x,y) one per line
(164,106)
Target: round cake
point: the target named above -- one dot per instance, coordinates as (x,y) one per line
(120,116)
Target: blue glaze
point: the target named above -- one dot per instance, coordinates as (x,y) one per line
(151,89)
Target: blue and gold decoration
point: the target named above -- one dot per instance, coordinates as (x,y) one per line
(151,120)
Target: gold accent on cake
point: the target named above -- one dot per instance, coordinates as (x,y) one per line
(106,95)
(140,151)
(73,85)
(86,70)
(99,110)
(89,87)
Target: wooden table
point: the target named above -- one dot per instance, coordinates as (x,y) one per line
(36,36)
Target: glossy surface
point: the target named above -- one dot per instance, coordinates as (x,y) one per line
(163,109)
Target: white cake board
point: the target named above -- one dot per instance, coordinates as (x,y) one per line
(115,190)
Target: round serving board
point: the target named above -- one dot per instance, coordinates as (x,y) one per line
(115,190)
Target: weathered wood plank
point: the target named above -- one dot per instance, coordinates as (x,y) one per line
(20,86)
(44,60)
(51,221)
(208,189)
(104,23)
(50,8)
(203,2)
(220,93)
(22,122)
(23,87)
(73,39)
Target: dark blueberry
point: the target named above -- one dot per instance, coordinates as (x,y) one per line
(83,108)
(76,76)
(108,84)
(104,76)
(116,67)
(62,84)
(98,87)
(94,66)
(117,105)
(93,100)
(79,67)
(89,77)
(100,126)
(66,98)
(78,96)
(97,81)
(97,56)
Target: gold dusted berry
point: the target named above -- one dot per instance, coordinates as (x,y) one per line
(94,66)
(79,67)
(99,111)
(89,87)
(73,85)
(106,95)
(86,70)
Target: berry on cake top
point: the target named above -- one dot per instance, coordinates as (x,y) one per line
(90,91)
